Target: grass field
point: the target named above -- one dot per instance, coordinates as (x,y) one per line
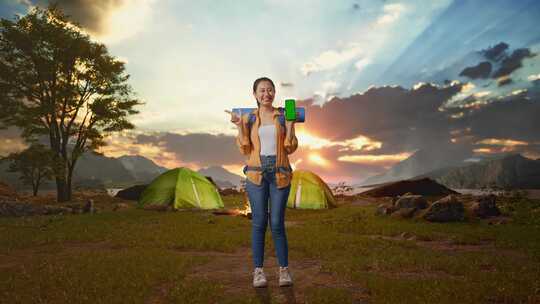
(341,255)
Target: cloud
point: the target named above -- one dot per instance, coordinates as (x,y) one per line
(505,117)
(496,52)
(108,20)
(481,70)
(362,63)
(513,62)
(504,80)
(328,90)
(401,119)
(91,14)
(533,78)
(375,159)
(391,13)
(200,149)
(331,59)
(11,141)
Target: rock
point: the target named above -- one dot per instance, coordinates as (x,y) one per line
(120,206)
(447,209)
(412,201)
(404,212)
(7,192)
(18,209)
(485,206)
(229,191)
(89,206)
(57,210)
(384,209)
(405,235)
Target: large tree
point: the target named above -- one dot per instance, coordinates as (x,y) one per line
(57,82)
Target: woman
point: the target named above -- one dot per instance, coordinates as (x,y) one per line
(267,145)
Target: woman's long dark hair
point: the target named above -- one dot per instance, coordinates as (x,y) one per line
(256,83)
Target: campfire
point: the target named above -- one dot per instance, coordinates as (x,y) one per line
(244,211)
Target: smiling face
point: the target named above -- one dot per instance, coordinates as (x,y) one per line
(265,93)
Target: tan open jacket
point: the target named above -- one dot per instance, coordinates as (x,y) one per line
(249,144)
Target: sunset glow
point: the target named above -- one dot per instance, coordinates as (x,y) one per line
(374,159)
(502,142)
(319,160)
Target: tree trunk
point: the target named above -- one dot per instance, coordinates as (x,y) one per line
(68,186)
(61,191)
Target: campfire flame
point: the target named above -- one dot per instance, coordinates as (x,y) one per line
(244,211)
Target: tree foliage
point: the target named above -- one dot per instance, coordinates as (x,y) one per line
(58,83)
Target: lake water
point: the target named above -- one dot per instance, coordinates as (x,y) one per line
(113,191)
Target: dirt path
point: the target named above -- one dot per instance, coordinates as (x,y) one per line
(233,272)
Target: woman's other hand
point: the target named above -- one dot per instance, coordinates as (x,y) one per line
(235,119)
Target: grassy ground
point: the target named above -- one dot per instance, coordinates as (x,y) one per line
(137,256)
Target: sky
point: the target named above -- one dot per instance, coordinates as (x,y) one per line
(380,80)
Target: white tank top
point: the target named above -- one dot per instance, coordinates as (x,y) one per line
(267,135)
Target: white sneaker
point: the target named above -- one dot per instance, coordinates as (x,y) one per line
(259,279)
(285,278)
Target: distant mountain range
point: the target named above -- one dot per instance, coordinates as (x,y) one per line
(222,177)
(507,171)
(513,171)
(422,161)
(99,171)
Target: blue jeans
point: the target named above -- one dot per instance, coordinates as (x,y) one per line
(258,199)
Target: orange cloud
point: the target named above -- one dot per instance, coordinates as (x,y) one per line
(318,160)
(502,142)
(359,143)
(11,145)
(122,144)
(383,159)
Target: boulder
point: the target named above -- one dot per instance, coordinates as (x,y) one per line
(447,209)
(412,201)
(485,206)
(120,206)
(404,212)
(384,209)
(89,206)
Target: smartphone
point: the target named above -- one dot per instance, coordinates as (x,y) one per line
(290,109)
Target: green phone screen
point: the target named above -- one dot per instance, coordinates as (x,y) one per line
(290,109)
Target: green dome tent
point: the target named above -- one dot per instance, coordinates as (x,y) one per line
(309,191)
(181,188)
